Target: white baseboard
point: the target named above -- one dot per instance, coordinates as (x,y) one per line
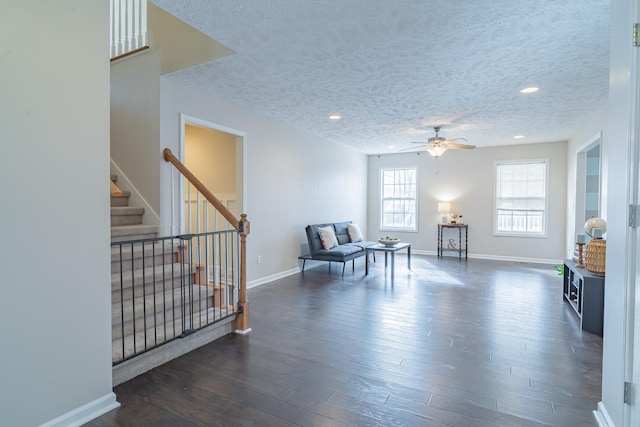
(497,258)
(518,259)
(314,264)
(272,277)
(419,252)
(602,416)
(85,413)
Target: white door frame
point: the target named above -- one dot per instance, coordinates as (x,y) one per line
(632,350)
(241,144)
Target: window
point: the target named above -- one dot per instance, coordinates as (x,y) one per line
(398,195)
(521,198)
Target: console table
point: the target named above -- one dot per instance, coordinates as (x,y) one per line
(460,248)
(584,291)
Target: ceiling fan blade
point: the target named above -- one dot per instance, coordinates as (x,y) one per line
(414,148)
(465,146)
(419,142)
(454,140)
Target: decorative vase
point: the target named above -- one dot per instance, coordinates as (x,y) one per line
(596,256)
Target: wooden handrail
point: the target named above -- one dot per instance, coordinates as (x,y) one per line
(115,190)
(226,213)
(130,53)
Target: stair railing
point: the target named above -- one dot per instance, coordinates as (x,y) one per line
(128,27)
(159,295)
(242,324)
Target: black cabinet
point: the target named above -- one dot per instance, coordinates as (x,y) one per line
(584,291)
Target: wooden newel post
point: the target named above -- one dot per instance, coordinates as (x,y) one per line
(242,324)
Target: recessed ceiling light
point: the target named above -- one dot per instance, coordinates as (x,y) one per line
(335,117)
(529,89)
(519,136)
(391,146)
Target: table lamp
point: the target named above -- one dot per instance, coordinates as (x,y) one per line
(444,208)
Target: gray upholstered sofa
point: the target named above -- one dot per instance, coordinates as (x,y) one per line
(343,252)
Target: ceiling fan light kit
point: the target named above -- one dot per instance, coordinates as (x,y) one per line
(436,150)
(437,145)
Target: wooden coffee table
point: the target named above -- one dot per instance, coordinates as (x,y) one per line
(388,249)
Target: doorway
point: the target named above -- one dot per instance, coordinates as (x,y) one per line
(216,156)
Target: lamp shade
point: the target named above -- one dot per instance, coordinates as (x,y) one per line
(444,207)
(595,223)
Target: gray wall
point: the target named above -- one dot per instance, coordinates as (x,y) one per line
(292,178)
(466,179)
(55,275)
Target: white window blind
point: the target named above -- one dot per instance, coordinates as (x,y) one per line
(398,195)
(521,197)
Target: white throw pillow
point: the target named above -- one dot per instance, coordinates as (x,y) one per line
(327,237)
(355,235)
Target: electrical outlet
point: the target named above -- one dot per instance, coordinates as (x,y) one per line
(259,259)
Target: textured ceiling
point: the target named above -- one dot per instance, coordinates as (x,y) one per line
(394,68)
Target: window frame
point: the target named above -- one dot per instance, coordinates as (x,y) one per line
(545,216)
(381,226)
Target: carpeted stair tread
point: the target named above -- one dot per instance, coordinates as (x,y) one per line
(172,330)
(121,233)
(126,210)
(162,308)
(142,276)
(149,249)
(122,230)
(161,304)
(126,215)
(133,256)
(121,200)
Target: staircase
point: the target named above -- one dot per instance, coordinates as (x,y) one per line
(126,221)
(157,297)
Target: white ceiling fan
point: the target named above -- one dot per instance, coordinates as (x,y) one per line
(437,145)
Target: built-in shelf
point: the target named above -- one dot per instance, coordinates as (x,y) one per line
(584,291)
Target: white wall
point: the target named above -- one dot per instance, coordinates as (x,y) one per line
(135,125)
(465,178)
(55,275)
(292,178)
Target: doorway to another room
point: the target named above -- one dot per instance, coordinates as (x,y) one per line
(216,158)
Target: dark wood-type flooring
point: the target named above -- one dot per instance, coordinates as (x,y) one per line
(450,343)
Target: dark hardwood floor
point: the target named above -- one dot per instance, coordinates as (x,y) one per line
(450,343)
